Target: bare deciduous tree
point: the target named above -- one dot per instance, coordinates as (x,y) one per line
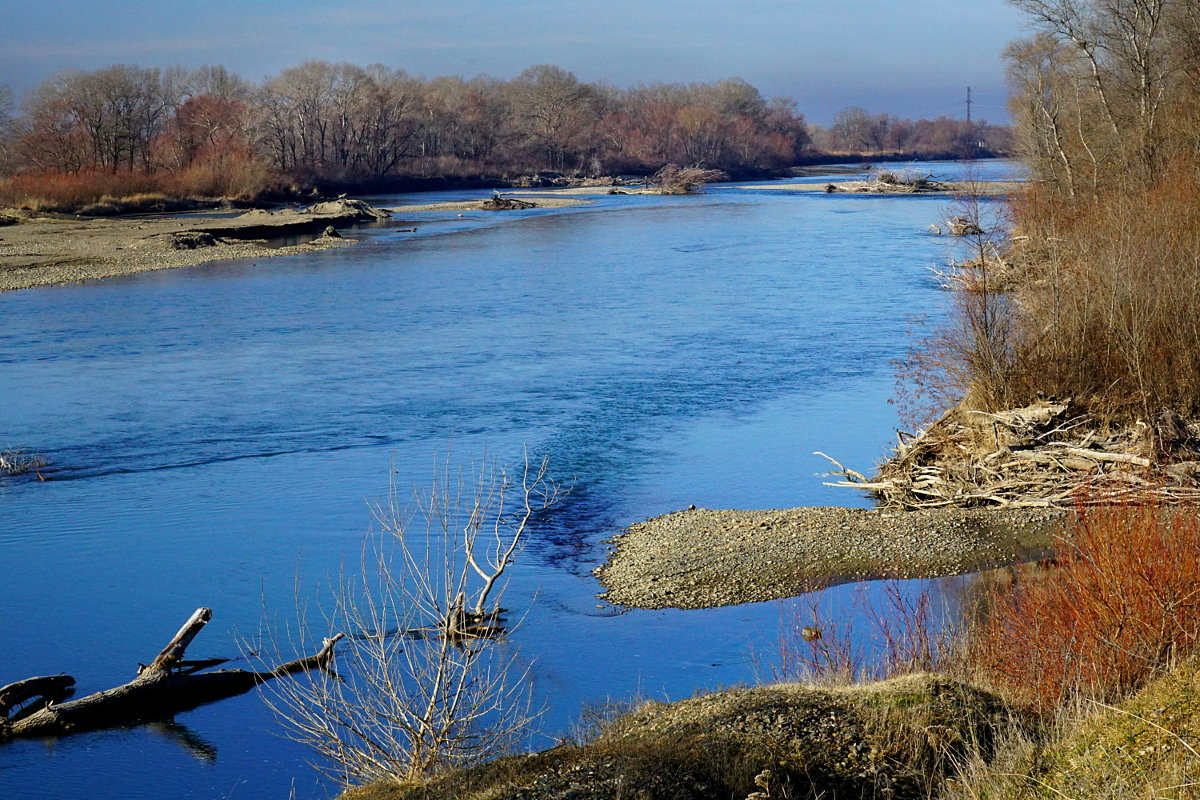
(1130,60)
(427,679)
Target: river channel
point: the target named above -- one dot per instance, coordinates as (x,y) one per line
(218,434)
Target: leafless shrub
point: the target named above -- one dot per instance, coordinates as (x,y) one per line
(972,355)
(1120,607)
(428,679)
(673,179)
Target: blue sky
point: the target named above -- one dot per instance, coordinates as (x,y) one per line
(912,58)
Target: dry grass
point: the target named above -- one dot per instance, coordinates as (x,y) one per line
(897,739)
(1093,300)
(904,636)
(103,192)
(1108,317)
(1146,747)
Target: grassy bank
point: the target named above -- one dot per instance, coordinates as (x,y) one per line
(920,736)
(896,739)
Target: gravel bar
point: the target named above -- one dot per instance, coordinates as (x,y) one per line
(703,558)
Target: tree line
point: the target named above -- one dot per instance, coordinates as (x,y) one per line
(325,122)
(856,130)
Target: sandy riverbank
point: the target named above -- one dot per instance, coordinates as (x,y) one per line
(42,250)
(703,558)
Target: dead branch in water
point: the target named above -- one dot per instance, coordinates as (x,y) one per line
(166,685)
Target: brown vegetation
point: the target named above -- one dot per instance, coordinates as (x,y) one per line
(128,130)
(1100,306)
(208,133)
(1093,298)
(100,193)
(1106,313)
(673,179)
(1119,606)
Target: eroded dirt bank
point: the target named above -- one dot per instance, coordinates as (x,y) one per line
(41,250)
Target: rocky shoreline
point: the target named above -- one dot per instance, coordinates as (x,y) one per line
(703,558)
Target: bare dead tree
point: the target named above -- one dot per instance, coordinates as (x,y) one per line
(427,679)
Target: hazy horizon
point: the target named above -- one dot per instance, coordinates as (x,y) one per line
(911,60)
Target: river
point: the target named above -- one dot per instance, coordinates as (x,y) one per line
(217,435)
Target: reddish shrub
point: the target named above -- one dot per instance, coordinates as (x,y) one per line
(1121,604)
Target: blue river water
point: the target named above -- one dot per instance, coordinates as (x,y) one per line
(217,435)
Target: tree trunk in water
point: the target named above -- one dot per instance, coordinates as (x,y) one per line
(165,686)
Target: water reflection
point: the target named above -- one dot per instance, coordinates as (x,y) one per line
(193,743)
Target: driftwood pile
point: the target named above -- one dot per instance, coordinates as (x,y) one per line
(883,182)
(673,179)
(993,272)
(498,202)
(1046,454)
(33,707)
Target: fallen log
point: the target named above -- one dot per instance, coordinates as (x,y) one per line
(166,685)
(49,686)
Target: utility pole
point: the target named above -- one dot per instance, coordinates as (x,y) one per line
(973,142)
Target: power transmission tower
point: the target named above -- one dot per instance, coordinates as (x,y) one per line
(972,142)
